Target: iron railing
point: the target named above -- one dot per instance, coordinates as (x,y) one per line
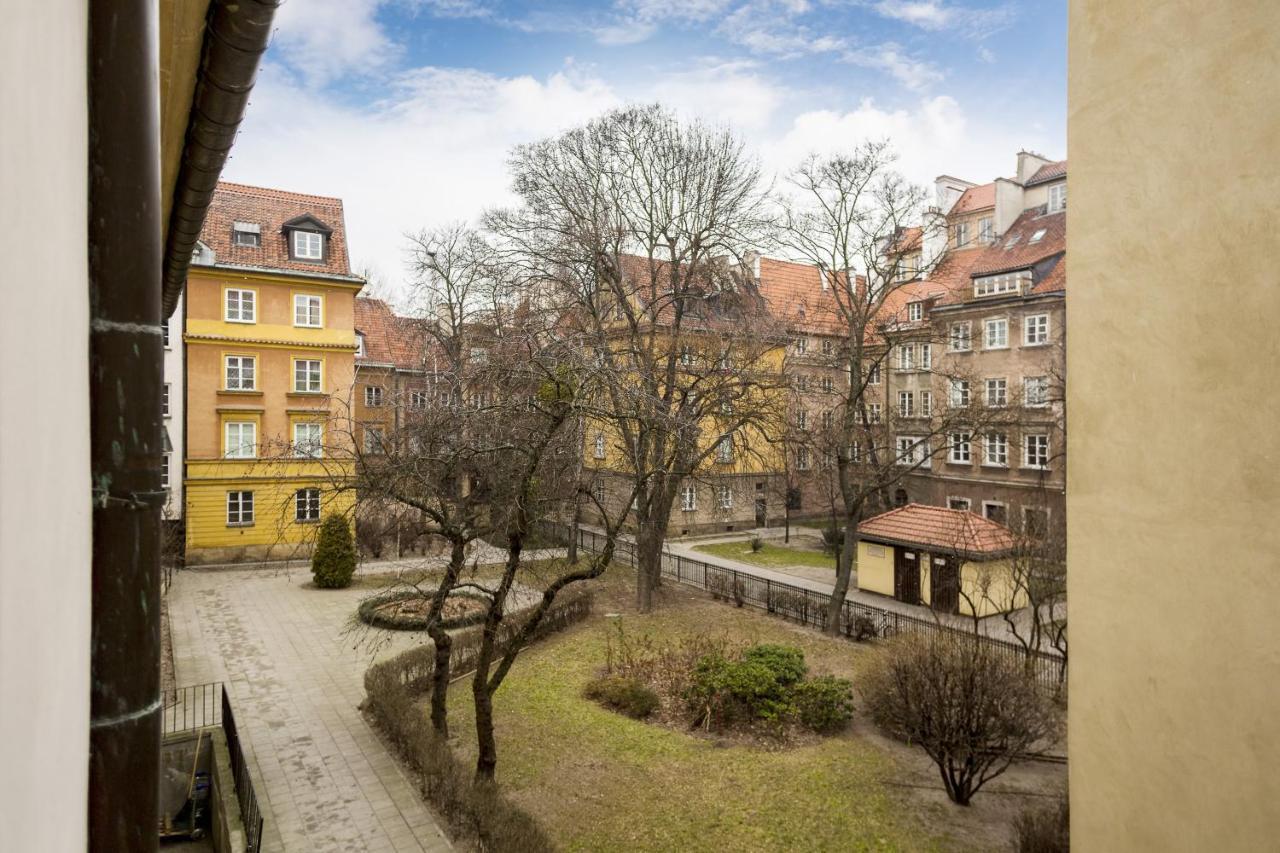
(250,814)
(809,607)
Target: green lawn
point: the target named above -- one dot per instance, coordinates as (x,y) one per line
(600,781)
(771,556)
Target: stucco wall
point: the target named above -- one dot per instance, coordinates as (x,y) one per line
(44,437)
(875,568)
(1173,499)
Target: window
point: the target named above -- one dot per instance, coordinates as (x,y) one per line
(906,356)
(906,407)
(960,232)
(802,459)
(926,356)
(360,351)
(164,400)
(873,375)
(308,245)
(1035,451)
(598,451)
(997,450)
(997,333)
(240,305)
(372,396)
(724,497)
(246,234)
(802,383)
(478,355)
(855,452)
(1058,197)
(802,419)
(239,508)
(1038,236)
(1035,330)
(986,230)
(915,312)
(1035,521)
(997,393)
(1035,392)
(802,345)
(306,503)
(373,440)
(960,449)
(306,310)
(828,418)
(688,497)
(307,440)
(912,450)
(724,450)
(926,404)
(827,347)
(959,503)
(306,375)
(164,333)
(994,285)
(241,370)
(994,510)
(873,413)
(164,470)
(597,492)
(241,438)
(686,355)
(827,385)
(959,393)
(961,339)
(418,399)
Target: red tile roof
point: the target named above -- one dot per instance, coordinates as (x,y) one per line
(1048,172)
(952,530)
(269,209)
(1015,249)
(975,198)
(794,294)
(388,338)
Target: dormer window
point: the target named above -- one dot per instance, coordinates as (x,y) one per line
(993,285)
(308,245)
(915,312)
(246,234)
(1058,197)
(306,238)
(359,345)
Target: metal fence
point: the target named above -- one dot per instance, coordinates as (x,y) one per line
(200,706)
(809,607)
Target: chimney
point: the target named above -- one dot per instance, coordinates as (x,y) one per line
(1029,162)
(948,190)
(933,240)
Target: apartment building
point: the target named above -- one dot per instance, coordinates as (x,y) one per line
(270,358)
(172,407)
(391,373)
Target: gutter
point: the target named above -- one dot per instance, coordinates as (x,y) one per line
(236,36)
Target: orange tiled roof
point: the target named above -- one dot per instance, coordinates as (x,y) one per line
(794,294)
(388,338)
(975,198)
(269,209)
(953,530)
(1015,249)
(1048,172)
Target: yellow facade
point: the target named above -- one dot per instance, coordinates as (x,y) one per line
(219,415)
(986,586)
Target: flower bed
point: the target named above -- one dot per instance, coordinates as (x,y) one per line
(406,610)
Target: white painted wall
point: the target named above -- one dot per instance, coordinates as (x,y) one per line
(44,427)
(174,374)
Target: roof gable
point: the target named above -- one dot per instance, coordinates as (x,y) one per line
(950,530)
(306,222)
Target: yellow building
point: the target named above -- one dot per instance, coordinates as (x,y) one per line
(270,362)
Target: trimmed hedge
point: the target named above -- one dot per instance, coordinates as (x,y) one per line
(629,696)
(370,613)
(475,811)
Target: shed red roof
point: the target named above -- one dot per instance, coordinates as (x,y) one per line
(952,530)
(975,198)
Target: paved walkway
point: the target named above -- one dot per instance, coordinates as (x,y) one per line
(323,779)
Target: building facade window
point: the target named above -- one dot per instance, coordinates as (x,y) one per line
(997,333)
(986,229)
(959,503)
(802,419)
(960,448)
(873,374)
(417,399)
(246,234)
(802,459)
(239,509)
(164,400)
(997,393)
(961,337)
(827,346)
(912,450)
(827,385)
(926,404)
(906,404)
(994,285)
(308,439)
(598,449)
(373,443)
(306,375)
(1058,197)
(1035,330)
(959,393)
(802,345)
(926,356)
(240,439)
(915,312)
(1035,451)
(372,396)
(307,311)
(308,245)
(997,450)
(828,418)
(960,233)
(995,511)
(1035,521)
(164,332)
(241,305)
(724,450)
(1035,392)
(360,351)
(164,470)
(906,356)
(688,497)
(873,413)
(724,497)
(241,372)
(306,505)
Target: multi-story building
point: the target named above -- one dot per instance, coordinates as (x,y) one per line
(172,407)
(270,355)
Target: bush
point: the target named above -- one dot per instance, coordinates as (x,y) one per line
(863,628)
(832,537)
(785,662)
(823,704)
(1043,829)
(757,544)
(626,695)
(725,587)
(334,560)
(724,691)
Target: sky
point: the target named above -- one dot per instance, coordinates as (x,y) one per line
(406,109)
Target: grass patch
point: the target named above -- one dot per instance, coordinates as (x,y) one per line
(771,556)
(597,780)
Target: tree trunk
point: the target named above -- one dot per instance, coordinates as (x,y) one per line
(486,746)
(844,574)
(440,680)
(573,530)
(648,558)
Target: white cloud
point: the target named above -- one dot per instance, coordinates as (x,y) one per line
(725,92)
(325,39)
(915,74)
(940,15)
(986,55)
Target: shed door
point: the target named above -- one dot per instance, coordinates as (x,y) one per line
(906,575)
(944,585)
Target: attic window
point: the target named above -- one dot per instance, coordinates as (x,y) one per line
(246,234)
(1036,237)
(915,312)
(1013,240)
(359,345)
(308,245)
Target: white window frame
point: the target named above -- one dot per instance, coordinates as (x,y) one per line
(915,312)
(311,372)
(724,449)
(374,441)
(828,419)
(1057,197)
(995,285)
(956,499)
(987,505)
(802,346)
(989,328)
(240,503)
(306,505)
(724,497)
(360,345)
(164,332)
(926,404)
(1035,330)
(874,412)
(308,301)
(372,396)
(827,346)
(986,230)
(961,234)
(873,374)
(906,356)
(164,470)
(926,356)
(997,392)
(246,373)
(827,385)
(802,459)
(164,400)
(1040,460)
(960,338)
(239,448)
(802,419)
(959,395)
(305,248)
(241,315)
(960,448)
(995,450)
(1039,399)
(255,241)
(309,447)
(688,498)
(598,446)
(417,398)
(911,450)
(906,404)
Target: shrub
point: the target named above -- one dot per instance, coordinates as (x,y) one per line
(863,628)
(757,544)
(725,586)
(1043,829)
(823,704)
(627,695)
(832,537)
(723,691)
(334,560)
(785,662)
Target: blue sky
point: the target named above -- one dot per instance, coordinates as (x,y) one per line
(406,108)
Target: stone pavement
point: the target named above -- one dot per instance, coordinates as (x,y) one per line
(323,779)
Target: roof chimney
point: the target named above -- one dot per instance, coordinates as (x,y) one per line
(948,190)
(1029,162)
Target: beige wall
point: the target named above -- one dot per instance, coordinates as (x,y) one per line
(1175,550)
(44,436)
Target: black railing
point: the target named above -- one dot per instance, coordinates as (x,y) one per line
(186,709)
(809,607)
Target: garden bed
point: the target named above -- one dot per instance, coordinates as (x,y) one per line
(406,610)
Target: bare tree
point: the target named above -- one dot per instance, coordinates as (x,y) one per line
(638,226)
(972,710)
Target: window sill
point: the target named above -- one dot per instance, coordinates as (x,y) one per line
(1026,345)
(306,521)
(1001,466)
(241,322)
(990,349)
(240,392)
(240,524)
(296,393)
(307,326)
(966,464)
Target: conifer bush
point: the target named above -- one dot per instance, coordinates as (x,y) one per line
(333,561)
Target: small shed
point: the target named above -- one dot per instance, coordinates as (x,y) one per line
(949,559)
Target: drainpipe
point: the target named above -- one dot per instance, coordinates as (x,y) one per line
(125,376)
(235,39)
